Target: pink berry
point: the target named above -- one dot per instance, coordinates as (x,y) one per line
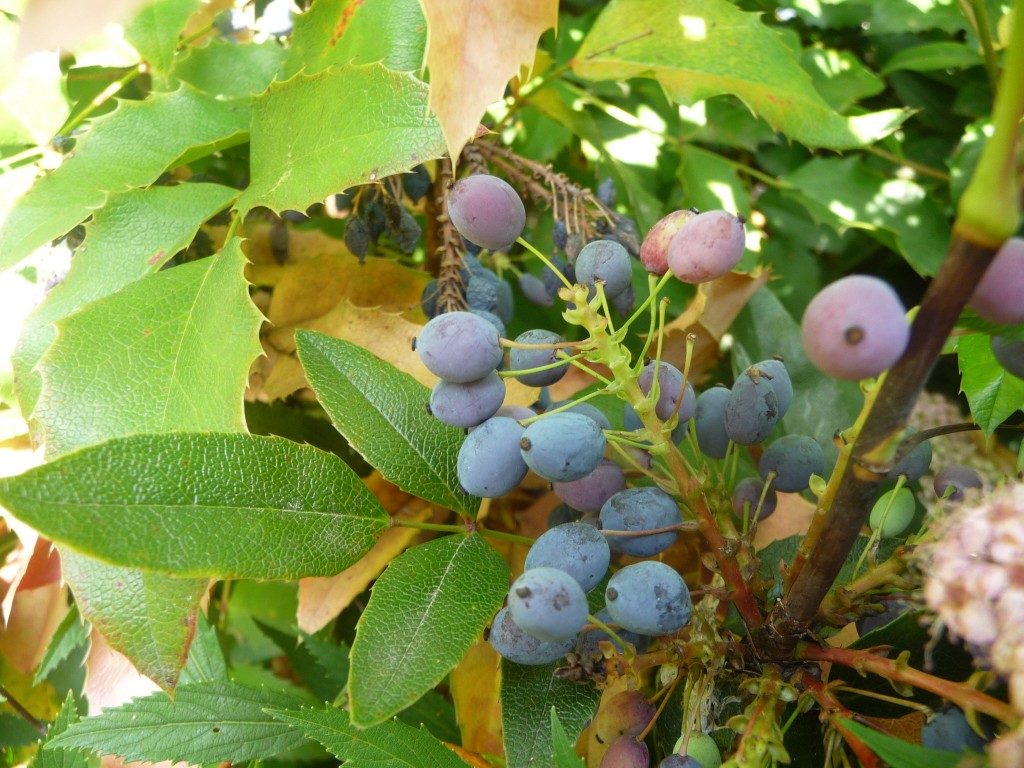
(486,211)
(999,297)
(654,249)
(706,247)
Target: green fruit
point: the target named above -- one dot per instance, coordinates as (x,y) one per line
(702,748)
(900,504)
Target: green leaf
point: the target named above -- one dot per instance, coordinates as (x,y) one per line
(564,753)
(71,633)
(840,77)
(118,250)
(205,662)
(154,30)
(52,757)
(528,694)
(204,723)
(323,681)
(899,213)
(149,617)
(994,394)
(163,129)
(220,505)
(338,32)
(381,413)
(901,754)
(435,713)
(390,745)
(225,68)
(697,49)
(150,358)
(711,181)
(313,136)
(425,611)
(932,56)
(33,102)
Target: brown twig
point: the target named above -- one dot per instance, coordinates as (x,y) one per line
(23,713)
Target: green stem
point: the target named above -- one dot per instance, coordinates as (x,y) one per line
(103,97)
(451,528)
(546,260)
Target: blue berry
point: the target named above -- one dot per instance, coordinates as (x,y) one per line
(579,549)
(519,647)
(549,604)
(649,598)
(489,463)
(563,446)
(640,509)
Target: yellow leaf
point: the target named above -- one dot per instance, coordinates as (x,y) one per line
(475,687)
(474,47)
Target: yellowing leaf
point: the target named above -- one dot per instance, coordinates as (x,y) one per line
(476,692)
(474,47)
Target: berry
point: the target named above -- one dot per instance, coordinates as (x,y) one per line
(590,492)
(680,761)
(626,752)
(535,291)
(552,282)
(588,644)
(579,549)
(706,247)
(893,512)
(702,747)
(586,409)
(752,409)
(775,371)
(525,359)
(491,318)
(915,463)
(855,328)
(468,404)
(559,234)
(949,730)
(429,298)
(486,211)
(670,383)
(625,714)
(548,603)
(747,495)
(709,422)
(407,234)
(489,463)
(606,261)
(1010,355)
(640,509)
(793,459)
(649,598)
(508,639)
(482,293)
(623,302)
(416,183)
(459,347)
(999,297)
(606,192)
(563,446)
(959,478)
(654,249)
(357,237)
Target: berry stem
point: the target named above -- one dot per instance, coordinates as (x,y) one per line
(546,260)
(452,528)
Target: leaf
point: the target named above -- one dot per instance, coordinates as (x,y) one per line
(204,723)
(390,745)
(116,252)
(148,617)
(323,682)
(50,757)
(840,77)
(474,48)
(932,56)
(474,686)
(426,609)
(338,32)
(225,68)
(72,634)
(435,713)
(164,128)
(315,135)
(381,412)
(994,395)
(149,358)
(901,754)
(219,505)
(33,102)
(697,49)
(528,694)
(564,754)
(154,30)
(205,662)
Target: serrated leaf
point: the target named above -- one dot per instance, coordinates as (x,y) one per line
(150,358)
(338,32)
(901,754)
(163,129)
(564,753)
(697,49)
(218,505)
(381,412)
(71,633)
(204,723)
(315,135)
(225,68)
(528,694)
(434,713)
(51,757)
(154,30)
(426,609)
(132,236)
(323,681)
(205,662)
(33,104)
(390,745)
(994,395)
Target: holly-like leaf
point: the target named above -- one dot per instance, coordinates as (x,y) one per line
(149,617)
(154,30)
(149,358)
(474,48)
(116,252)
(33,104)
(165,128)
(52,757)
(225,68)
(70,635)
(994,394)
(203,504)
(697,49)
(426,609)
(528,694)
(338,32)
(381,412)
(204,723)
(315,135)
(389,745)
